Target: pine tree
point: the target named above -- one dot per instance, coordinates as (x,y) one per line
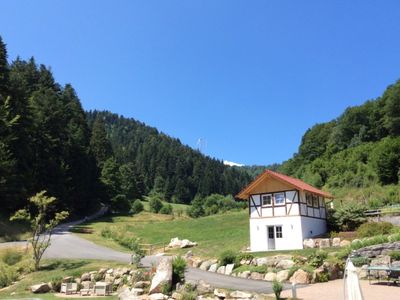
(99,143)
(4,70)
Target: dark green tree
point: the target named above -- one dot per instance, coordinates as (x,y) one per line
(99,143)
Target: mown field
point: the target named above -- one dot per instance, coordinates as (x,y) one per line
(213,234)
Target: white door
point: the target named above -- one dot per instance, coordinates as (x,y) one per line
(271,237)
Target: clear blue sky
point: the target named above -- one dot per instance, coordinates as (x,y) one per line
(249,77)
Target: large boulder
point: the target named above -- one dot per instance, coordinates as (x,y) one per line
(177,243)
(157,296)
(309,243)
(344,243)
(334,270)
(186,243)
(229,268)
(285,264)
(205,265)
(336,242)
(203,288)
(256,276)
(282,275)
(301,277)
(221,294)
(40,288)
(213,268)
(324,243)
(270,276)
(240,295)
(162,277)
(85,277)
(221,270)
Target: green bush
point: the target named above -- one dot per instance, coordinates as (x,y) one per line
(11,257)
(348,217)
(277,287)
(166,209)
(155,204)
(120,203)
(317,258)
(227,257)
(394,255)
(137,207)
(7,276)
(178,269)
(106,233)
(374,228)
(323,277)
(360,261)
(56,284)
(189,295)
(245,256)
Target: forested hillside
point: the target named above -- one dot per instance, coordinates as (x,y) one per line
(164,164)
(48,142)
(359,152)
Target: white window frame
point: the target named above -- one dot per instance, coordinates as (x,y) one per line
(262,200)
(277,233)
(283,199)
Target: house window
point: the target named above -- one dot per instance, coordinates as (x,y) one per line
(315,201)
(278,230)
(309,199)
(279,198)
(266,200)
(321,202)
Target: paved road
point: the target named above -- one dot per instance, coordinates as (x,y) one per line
(64,244)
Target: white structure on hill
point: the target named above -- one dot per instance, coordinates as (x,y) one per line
(283,211)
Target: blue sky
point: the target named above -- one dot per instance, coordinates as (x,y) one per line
(249,77)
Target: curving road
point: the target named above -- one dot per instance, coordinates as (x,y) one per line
(65,244)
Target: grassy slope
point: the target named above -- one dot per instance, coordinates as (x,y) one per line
(53,269)
(214,233)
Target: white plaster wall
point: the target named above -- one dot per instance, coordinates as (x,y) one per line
(267,211)
(291,232)
(294,209)
(279,211)
(253,212)
(312,227)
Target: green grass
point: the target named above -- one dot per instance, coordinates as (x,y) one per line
(52,269)
(12,231)
(176,207)
(213,234)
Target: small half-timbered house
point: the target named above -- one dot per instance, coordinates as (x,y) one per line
(283,211)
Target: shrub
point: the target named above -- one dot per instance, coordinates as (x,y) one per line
(245,256)
(394,255)
(166,288)
(277,288)
(166,209)
(323,277)
(317,258)
(360,261)
(227,257)
(155,204)
(189,295)
(120,203)
(374,228)
(56,284)
(137,207)
(11,257)
(106,233)
(7,276)
(348,217)
(178,269)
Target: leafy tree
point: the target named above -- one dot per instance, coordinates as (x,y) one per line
(155,202)
(166,209)
(128,181)
(196,210)
(386,160)
(348,217)
(42,223)
(110,177)
(136,207)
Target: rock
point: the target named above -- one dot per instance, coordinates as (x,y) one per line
(334,270)
(125,294)
(213,268)
(78,280)
(362,272)
(205,265)
(203,287)
(381,260)
(221,270)
(336,242)
(163,276)
(282,275)
(285,264)
(40,288)
(141,284)
(177,296)
(309,243)
(229,269)
(102,271)
(85,277)
(67,279)
(117,281)
(137,291)
(270,276)
(256,276)
(317,274)
(220,293)
(188,254)
(262,261)
(187,243)
(177,243)
(109,278)
(344,243)
(324,243)
(240,294)
(301,277)
(195,262)
(157,296)
(395,264)
(244,274)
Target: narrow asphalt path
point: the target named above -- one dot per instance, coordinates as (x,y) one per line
(65,244)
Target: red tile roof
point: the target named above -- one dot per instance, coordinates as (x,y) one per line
(297,183)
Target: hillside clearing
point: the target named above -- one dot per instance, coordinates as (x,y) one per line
(213,234)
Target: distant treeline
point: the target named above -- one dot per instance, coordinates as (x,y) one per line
(48,142)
